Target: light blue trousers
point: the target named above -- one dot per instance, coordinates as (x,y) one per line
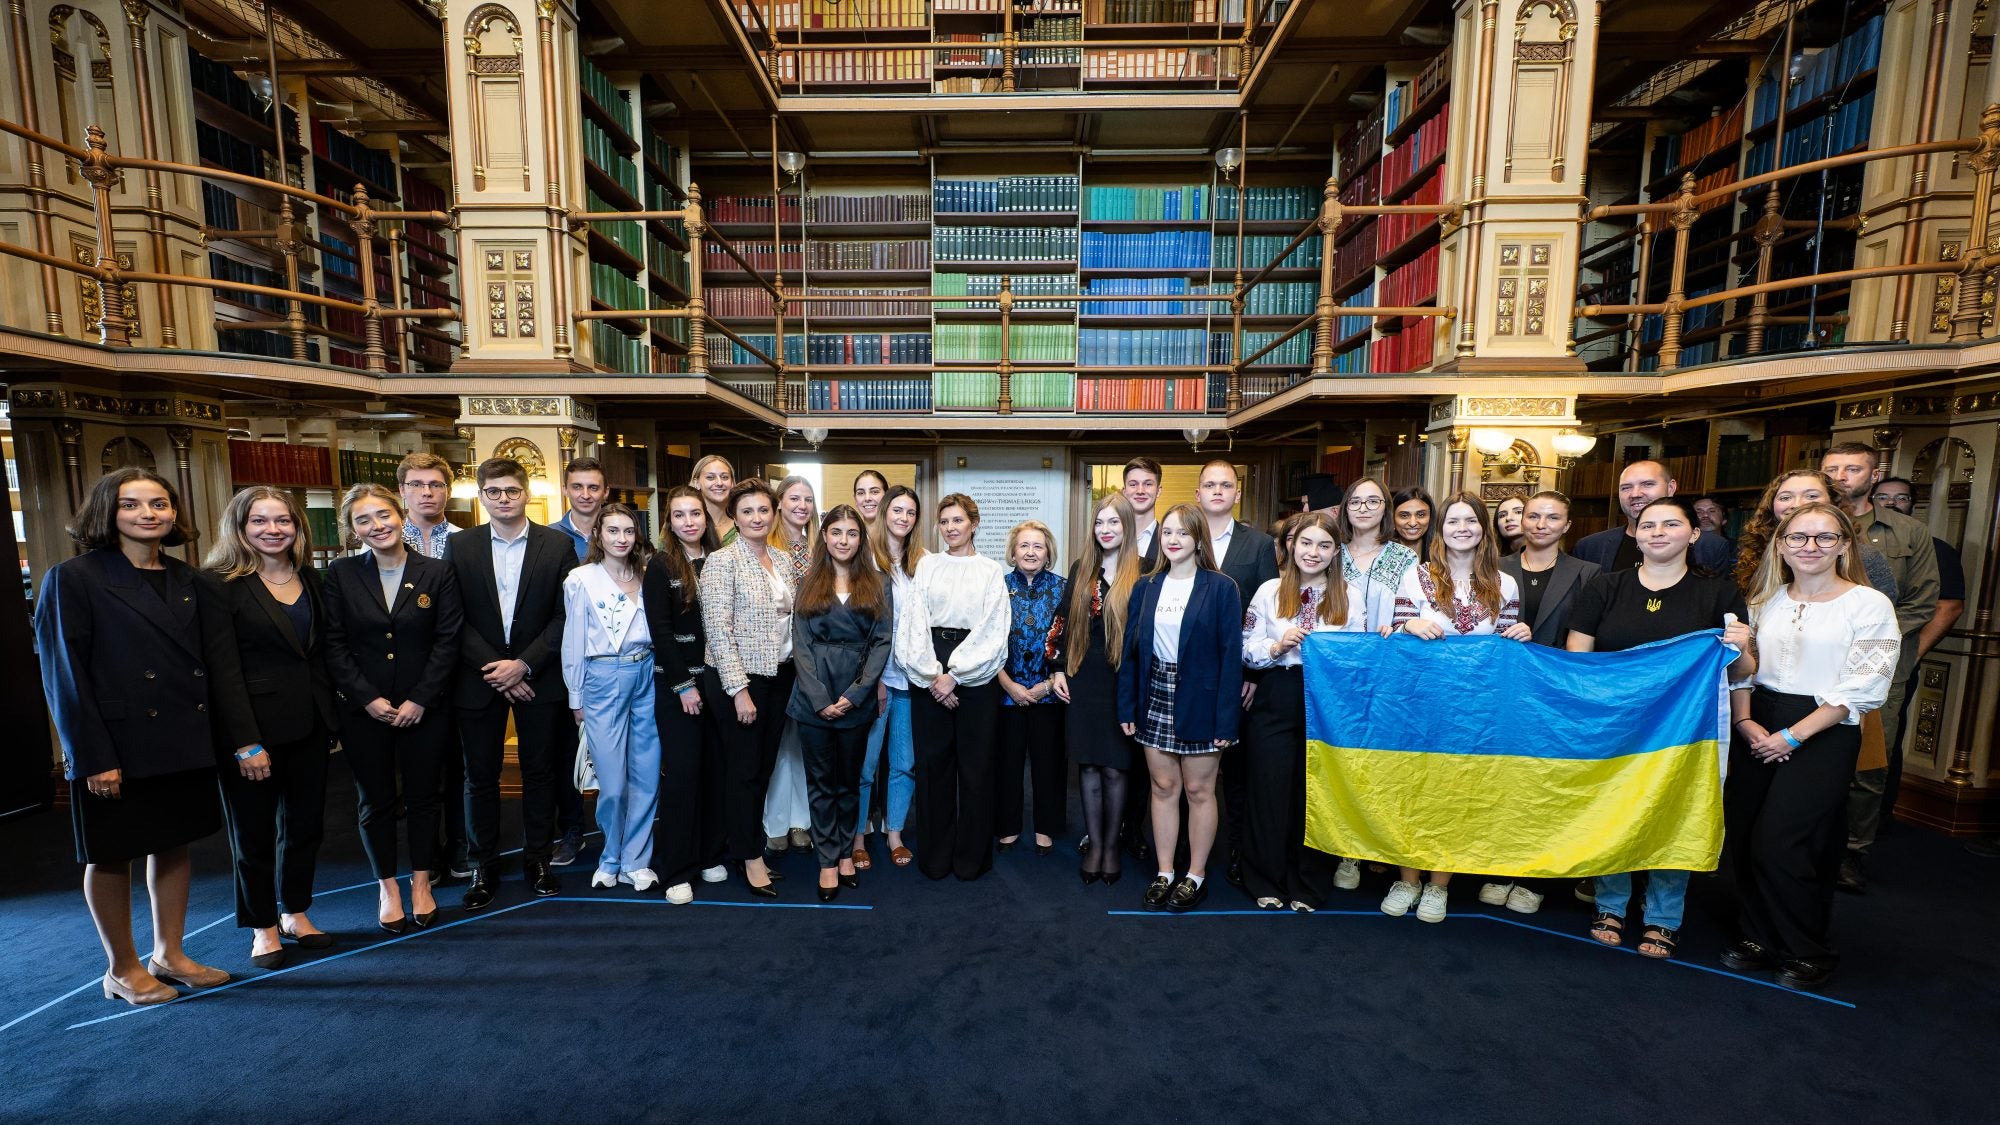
(625,749)
(1666,896)
(891,728)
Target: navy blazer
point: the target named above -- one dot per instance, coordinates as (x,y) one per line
(287,690)
(838,653)
(1208,698)
(673,616)
(407,651)
(1566,577)
(130,678)
(538,612)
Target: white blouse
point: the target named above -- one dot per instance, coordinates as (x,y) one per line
(1368,608)
(955,592)
(899,593)
(1839,652)
(599,620)
(1416,597)
(1174,596)
(781,596)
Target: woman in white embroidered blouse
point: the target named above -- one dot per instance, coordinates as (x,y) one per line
(607,665)
(1827,645)
(951,639)
(1310,596)
(1459,591)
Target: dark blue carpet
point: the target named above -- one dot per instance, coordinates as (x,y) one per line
(1023,997)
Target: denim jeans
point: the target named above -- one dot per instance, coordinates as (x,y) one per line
(1666,896)
(892,726)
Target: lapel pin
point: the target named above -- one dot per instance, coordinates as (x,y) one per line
(423,601)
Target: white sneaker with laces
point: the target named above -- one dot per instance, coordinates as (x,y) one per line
(603,878)
(715,874)
(1348,875)
(1521,900)
(1268,903)
(644,879)
(1495,894)
(1401,895)
(1300,906)
(680,894)
(1432,908)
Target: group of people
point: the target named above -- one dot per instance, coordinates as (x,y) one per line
(760,632)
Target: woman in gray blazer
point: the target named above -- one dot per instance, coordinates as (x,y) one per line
(841,629)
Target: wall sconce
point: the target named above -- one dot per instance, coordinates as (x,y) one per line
(463,488)
(1503,455)
(793,163)
(1228,159)
(540,487)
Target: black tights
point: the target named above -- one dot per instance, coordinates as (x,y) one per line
(1103,791)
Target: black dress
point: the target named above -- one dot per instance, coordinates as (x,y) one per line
(1091,719)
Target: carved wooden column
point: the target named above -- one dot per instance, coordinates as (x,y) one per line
(543,432)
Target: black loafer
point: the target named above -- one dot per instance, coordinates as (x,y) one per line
(1187,894)
(1805,976)
(1748,957)
(479,895)
(1235,873)
(1157,892)
(543,879)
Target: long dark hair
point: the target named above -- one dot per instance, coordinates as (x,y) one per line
(1402,497)
(817,592)
(1333,608)
(674,556)
(96,525)
(1089,567)
(642,548)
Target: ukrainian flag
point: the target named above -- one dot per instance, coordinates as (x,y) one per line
(1498,757)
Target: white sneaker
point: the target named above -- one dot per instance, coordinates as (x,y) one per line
(1269,903)
(715,874)
(603,878)
(1348,875)
(1586,890)
(1495,894)
(1521,900)
(1397,902)
(644,879)
(1300,906)
(680,894)
(1431,909)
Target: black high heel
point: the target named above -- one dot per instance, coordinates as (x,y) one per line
(396,927)
(1044,849)
(1088,877)
(1111,877)
(423,921)
(850,881)
(828,894)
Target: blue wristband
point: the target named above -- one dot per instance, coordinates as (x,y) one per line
(1786,734)
(245,755)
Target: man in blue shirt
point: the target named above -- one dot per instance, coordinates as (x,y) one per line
(583,487)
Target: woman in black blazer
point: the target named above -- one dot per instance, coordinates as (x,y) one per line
(392,622)
(840,643)
(1180,693)
(690,837)
(260,570)
(134,655)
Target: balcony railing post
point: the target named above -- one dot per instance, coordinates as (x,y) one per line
(697,314)
(99,172)
(1684,215)
(1007,48)
(1329,223)
(362,223)
(1005,402)
(1969,312)
(1769,229)
(289,244)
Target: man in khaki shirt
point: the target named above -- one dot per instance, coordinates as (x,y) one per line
(1906,543)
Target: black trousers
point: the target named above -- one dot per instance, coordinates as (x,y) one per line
(1276,862)
(451,825)
(1032,736)
(1235,784)
(1785,827)
(691,832)
(833,758)
(482,733)
(750,751)
(377,752)
(954,802)
(275,828)
(562,763)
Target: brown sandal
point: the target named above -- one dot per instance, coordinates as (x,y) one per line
(1608,929)
(902,856)
(862,861)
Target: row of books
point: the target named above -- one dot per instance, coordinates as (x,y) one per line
(1364,188)
(1295,352)
(1168,288)
(1752,463)
(1005,193)
(359,466)
(737,355)
(1141,347)
(229,269)
(615,288)
(867,347)
(1407,350)
(988,285)
(277,345)
(897,254)
(1671,154)
(614,350)
(1349,326)
(1004,244)
(1825,72)
(1021,7)
(747,302)
(666,154)
(1189,202)
(1270,204)
(1361,145)
(420,194)
(1419,150)
(223,210)
(1163,11)
(1259,249)
(1025,342)
(1357,253)
(1407,94)
(1397,229)
(378,168)
(1186,393)
(604,155)
(227,150)
(1158,62)
(671,264)
(878,395)
(1413,282)
(1847,127)
(757,209)
(598,87)
(1657,221)
(280,463)
(848,65)
(858,13)
(908,207)
(1161,249)
(627,236)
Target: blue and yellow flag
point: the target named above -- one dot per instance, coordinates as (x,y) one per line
(1497,757)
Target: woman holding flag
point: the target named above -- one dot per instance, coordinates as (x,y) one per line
(1659,599)
(1459,591)
(1311,595)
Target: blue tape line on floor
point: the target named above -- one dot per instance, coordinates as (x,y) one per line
(699,902)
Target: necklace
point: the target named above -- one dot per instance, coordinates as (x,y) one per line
(269,581)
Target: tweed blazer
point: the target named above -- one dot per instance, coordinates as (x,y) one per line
(746,631)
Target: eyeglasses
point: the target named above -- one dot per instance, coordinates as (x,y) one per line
(1825,540)
(1365,504)
(426,485)
(501,493)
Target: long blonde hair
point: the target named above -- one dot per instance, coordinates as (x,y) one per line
(233,556)
(1774,573)
(1759,530)
(1333,604)
(1090,564)
(1485,558)
(781,530)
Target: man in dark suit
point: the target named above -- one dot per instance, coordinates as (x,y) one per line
(1617,548)
(510,574)
(1250,559)
(1142,490)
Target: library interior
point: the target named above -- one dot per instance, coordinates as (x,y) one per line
(1001,247)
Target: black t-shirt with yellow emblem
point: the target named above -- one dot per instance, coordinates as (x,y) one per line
(1621,613)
